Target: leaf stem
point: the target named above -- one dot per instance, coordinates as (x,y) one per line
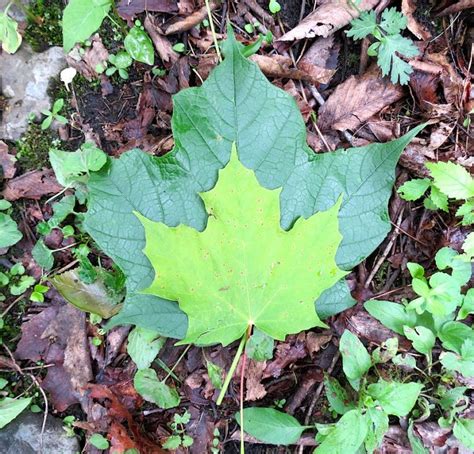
(213,31)
(233,366)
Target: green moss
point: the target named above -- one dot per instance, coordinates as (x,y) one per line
(34,146)
(44,24)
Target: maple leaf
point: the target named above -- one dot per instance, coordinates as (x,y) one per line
(244,269)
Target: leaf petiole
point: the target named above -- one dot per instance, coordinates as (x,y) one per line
(233,366)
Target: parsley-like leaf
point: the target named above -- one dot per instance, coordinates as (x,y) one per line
(393,21)
(363,26)
(390,63)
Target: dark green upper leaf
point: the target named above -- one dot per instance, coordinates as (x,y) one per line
(238,104)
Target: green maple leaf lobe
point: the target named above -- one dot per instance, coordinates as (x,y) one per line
(243,269)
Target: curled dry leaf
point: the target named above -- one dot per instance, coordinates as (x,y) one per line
(188,22)
(325,20)
(356,100)
(32,185)
(418,29)
(162,45)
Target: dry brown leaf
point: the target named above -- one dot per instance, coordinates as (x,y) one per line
(162,45)
(32,185)
(440,134)
(254,388)
(186,23)
(320,60)
(424,86)
(58,336)
(356,100)
(325,20)
(420,31)
(314,341)
(86,64)
(7,162)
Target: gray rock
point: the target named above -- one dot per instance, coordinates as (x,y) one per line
(14,12)
(22,436)
(25,76)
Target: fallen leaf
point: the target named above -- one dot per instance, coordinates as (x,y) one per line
(253,375)
(356,100)
(32,185)
(68,329)
(315,341)
(86,297)
(31,345)
(320,60)
(128,9)
(418,29)
(424,86)
(58,336)
(286,353)
(188,22)
(162,45)
(440,135)
(7,162)
(325,20)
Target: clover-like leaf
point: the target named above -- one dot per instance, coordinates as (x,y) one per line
(244,269)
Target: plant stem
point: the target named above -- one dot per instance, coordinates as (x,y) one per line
(177,362)
(213,31)
(233,366)
(242,377)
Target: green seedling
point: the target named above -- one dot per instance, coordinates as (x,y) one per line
(53,115)
(388,44)
(179,436)
(120,63)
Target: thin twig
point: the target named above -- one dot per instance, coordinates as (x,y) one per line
(213,31)
(386,251)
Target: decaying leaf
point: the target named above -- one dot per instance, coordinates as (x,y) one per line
(244,269)
(31,185)
(92,298)
(327,19)
(356,100)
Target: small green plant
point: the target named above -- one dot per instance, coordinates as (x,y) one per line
(139,45)
(215,441)
(274,6)
(389,43)
(53,114)
(364,410)
(68,425)
(448,181)
(9,35)
(14,281)
(179,47)
(179,436)
(99,441)
(120,63)
(9,233)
